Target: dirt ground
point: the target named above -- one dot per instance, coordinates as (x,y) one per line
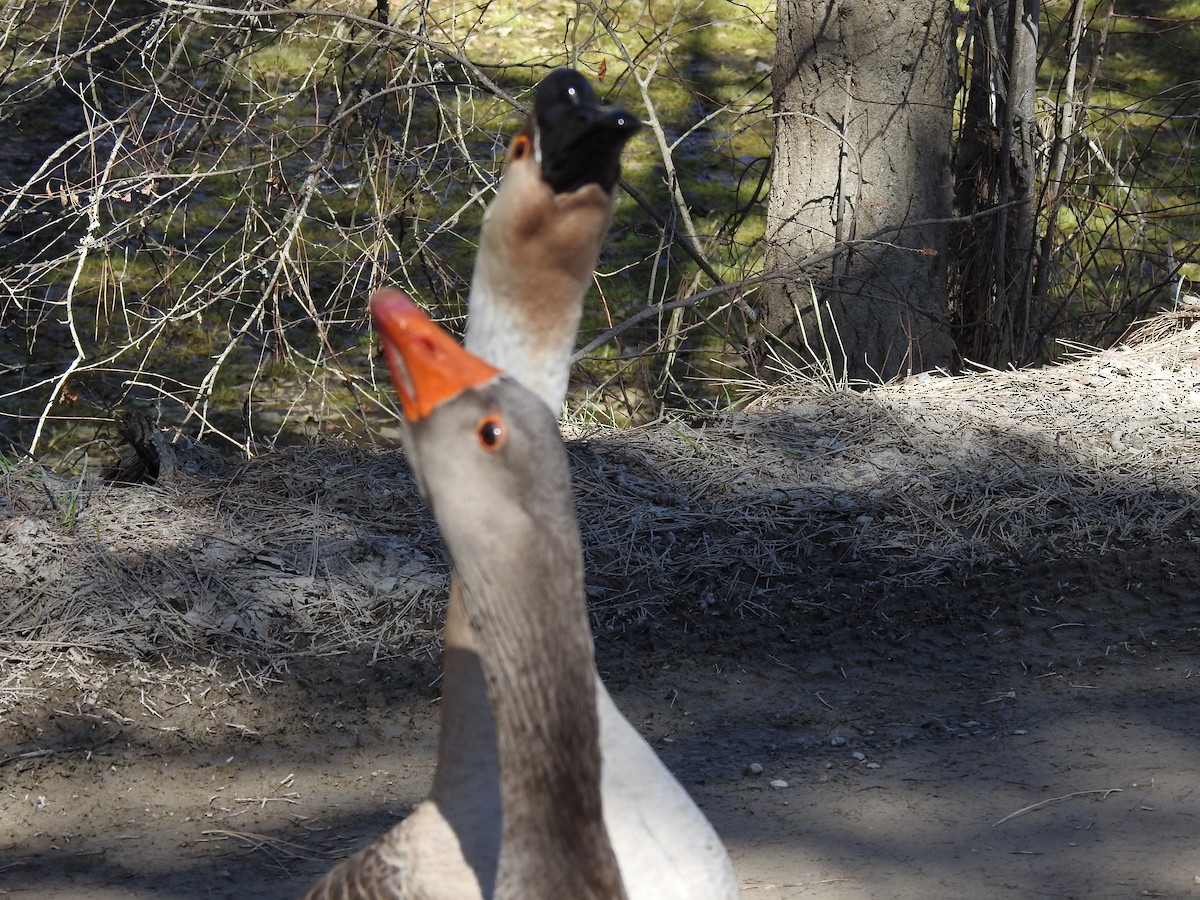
(977,675)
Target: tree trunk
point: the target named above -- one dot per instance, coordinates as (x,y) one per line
(863,98)
(994,255)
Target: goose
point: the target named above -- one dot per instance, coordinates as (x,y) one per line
(540,241)
(489,460)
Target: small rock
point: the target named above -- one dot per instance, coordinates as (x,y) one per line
(872,765)
(779,784)
(837,741)
(754,769)
(1020,731)
(859,755)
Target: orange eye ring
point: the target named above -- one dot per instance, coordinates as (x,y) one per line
(491,433)
(520,147)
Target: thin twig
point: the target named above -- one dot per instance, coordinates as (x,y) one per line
(1033,807)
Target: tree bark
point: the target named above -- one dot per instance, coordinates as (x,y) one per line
(998,322)
(863,98)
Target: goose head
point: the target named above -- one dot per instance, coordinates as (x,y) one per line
(575,140)
(474,435)
(542,234)
(491,464)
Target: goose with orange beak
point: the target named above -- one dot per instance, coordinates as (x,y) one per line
(489,460)
(533,809)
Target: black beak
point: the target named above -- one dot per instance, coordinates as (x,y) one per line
(580,140)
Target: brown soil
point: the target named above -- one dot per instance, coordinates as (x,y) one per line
(957,617)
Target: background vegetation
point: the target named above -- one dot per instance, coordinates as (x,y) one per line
(197,198)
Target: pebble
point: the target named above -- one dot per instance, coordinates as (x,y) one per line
(754,769)
(837,741)
(779,784)
(872,765)
(859,755)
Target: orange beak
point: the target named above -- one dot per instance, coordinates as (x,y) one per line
(428,366)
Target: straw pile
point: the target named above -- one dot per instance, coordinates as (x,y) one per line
(809,505)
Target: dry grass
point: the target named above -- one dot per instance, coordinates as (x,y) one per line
(912,483)
(808,503)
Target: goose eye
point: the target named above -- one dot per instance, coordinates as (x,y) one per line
(520,146)
(491,433)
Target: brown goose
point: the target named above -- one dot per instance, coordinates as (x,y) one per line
(541,238)
(490,462)
(539,244)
